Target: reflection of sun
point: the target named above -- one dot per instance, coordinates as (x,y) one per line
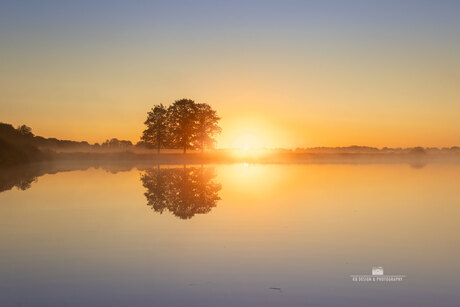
(247,142)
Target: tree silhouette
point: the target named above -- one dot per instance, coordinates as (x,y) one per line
(117,144)
(181,115)
(25,130)
(206,126)
(182,191)
(156,133)
(185,124)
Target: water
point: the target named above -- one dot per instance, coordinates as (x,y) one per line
(229,235)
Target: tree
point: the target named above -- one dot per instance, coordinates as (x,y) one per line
(184,124)
(205,126)
(25,130)
(117,144)
(182,118)
(156,133)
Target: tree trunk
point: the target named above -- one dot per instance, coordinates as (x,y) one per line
(158,143)
(202,144)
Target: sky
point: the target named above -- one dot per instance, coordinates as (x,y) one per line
(279,73)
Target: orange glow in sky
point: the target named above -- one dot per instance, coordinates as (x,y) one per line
(278,75)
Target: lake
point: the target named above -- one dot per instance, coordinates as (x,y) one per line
(230,235)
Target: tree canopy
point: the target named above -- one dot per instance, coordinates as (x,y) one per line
(206,126)
(184,124)
(156,133)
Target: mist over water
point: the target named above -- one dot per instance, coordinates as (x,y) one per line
(226,235)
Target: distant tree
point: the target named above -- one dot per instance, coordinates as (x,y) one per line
(125,144)
(156,133)
(109,143)
(205,126)
(144,145)
(25,130)
(182,118)
(117,144)
(8,131)
(417,150)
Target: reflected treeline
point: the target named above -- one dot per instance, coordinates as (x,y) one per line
(182,191)
(23,176)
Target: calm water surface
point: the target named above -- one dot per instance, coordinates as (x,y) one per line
(229,235)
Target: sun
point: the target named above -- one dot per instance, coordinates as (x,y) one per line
(247,142)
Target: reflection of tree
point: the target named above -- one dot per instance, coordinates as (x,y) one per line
(23,176)
(20,177)
(183,191)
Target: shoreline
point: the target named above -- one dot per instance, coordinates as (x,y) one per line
(261,158)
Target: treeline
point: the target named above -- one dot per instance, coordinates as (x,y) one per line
(354,149)
(23,135)
(184,124)
(19,145)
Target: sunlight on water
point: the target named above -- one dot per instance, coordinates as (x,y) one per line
(226,235)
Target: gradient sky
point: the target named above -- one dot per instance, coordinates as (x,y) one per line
(288,73)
